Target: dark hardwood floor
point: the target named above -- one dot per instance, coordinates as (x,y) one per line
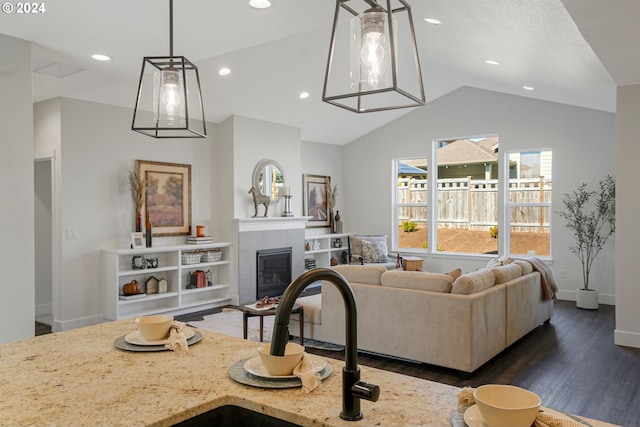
(572,363)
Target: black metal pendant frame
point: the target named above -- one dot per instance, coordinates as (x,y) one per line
(359,101)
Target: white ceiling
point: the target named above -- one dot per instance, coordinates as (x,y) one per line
(277,52)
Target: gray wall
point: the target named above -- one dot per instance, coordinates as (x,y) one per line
(627,224)
(17,307)
(582,141)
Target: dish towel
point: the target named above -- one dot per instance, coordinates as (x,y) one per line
(306,371)
(465,397)
(177,340)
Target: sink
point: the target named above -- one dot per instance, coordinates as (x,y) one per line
(234,416)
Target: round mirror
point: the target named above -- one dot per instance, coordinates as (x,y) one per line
(268,179)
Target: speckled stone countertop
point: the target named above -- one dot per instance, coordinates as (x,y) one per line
(78,378)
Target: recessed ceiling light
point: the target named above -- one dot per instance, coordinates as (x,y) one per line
(433,21)
(224,71)
(491,62)
(100,57)
(260,4)
(304,95)
(527,88)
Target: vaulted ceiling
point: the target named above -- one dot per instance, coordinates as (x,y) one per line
(570,51)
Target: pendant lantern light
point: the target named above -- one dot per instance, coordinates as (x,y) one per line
(373,62)
(169,101)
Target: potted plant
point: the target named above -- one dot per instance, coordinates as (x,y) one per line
(591,217)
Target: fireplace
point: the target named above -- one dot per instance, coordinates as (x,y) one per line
(273,272)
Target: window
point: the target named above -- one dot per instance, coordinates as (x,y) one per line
(467,195)
(462,208)
(529,203)
(410,213)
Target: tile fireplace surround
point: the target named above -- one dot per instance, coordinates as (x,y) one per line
(267,233)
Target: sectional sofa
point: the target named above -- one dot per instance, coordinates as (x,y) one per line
(439,319)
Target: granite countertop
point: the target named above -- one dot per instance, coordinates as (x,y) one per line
(79,378)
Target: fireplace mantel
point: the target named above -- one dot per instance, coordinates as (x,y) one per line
(272,223)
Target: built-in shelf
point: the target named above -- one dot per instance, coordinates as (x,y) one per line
(323,247)
(118,270)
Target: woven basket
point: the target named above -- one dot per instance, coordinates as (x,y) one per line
(190,258)
(211,256)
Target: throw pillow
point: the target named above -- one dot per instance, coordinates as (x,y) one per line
(374,252)
(454,273)
(497,262)
(356,242)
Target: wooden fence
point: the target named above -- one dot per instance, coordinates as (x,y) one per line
(472,204)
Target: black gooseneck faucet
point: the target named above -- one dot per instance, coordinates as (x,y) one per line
(352,388)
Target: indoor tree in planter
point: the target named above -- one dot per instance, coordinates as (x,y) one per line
(591,216)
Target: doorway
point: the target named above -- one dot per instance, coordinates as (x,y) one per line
(44,244)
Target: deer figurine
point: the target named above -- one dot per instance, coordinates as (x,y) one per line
(259,199)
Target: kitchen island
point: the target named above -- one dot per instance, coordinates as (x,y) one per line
(79,378)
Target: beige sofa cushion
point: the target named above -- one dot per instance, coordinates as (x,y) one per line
(419,280)
(473,282)
(367,274)
(525,265)
(312,308)
(506,272)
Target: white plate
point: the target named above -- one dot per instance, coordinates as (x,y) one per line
(135,338)
(255,367)
(473,418)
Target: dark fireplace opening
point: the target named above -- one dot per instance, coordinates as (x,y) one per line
(273,272)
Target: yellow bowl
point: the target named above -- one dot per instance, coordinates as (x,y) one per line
(281,365)
(154,328)
(507,405)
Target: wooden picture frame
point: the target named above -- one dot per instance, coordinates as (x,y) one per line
(168,197)
(314,203)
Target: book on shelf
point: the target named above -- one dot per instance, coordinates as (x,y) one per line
(130,297)
(197,240)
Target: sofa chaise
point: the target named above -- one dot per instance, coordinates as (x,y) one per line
(430,317)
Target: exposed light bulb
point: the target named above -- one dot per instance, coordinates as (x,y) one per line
(168,100)
(373,42)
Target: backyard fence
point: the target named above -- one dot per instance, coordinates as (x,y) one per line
(472,204)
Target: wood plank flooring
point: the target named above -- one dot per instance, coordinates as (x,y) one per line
(572,363)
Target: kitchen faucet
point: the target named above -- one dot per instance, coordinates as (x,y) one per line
(352,388)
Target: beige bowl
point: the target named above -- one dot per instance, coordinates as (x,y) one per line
(281,365)
(507,405)
(154,328)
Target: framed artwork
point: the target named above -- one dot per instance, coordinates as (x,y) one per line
(315,200)
(137,240)
(168,198)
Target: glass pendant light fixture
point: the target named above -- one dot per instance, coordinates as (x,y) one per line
(373,62)
(169,101)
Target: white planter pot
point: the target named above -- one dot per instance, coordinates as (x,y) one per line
(587,299)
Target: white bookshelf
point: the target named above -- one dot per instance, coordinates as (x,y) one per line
(118,270)
(323,248)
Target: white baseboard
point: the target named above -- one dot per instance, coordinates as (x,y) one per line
(43,309)
(626,339)
(606,299)
(77,323)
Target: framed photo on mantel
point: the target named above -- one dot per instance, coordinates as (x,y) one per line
(168,198)
(314,203)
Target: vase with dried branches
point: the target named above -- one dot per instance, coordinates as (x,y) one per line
(138,188)
(332,197)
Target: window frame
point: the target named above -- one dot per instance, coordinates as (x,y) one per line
(504,205)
